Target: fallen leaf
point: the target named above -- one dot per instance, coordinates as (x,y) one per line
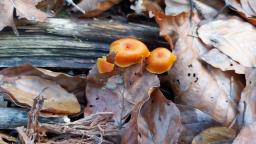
(233,37)
(191,81)
(6,139)
(95,7)
(194,84)
(229,82)
(176,7)
(193,122)
(247,134)
(24,9)
(73,84)
(24,83)
(247,104)
(130,131)
(246,8)
(219,60)
(24,89)
(159,120)
(118,91)
(155,121)
(215,135)
(6,14)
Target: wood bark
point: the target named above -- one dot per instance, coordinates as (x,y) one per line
(11,118)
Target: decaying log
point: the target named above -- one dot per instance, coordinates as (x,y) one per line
(11,118)
(66,43)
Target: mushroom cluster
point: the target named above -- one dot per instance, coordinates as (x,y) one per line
(130,51)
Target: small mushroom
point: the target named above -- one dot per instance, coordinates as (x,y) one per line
(160,60)
(129,51)
(104,66)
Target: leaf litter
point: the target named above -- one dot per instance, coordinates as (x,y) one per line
(212,82)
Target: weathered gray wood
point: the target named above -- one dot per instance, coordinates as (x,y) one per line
(11,118)
(65,43)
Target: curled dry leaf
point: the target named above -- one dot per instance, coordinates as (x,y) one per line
(193,83)
(22,84)
(24,9)
(247,134)
(247,104)
(159,120)
(155,121)
(215,135)
(219,60)
(176,7)
(193,122)
(5,139)
(6,14)
(118,91)
(233,37)
(95,7)
(246,8)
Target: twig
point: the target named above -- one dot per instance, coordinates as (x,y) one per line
(32,127)
(75,5)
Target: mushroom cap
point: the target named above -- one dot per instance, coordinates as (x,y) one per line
(104,66)
(129,51)
(160,60)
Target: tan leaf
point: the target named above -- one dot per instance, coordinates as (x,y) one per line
(95,7)
(24,89)
(246,8)
(6,14)
(193,121)
(6,139)
(25,82)
(247,105)
(24,9)
(215,135)
(175,7)
(193,83)
(118,91)
(155,121)
(233,37)
(219,60)
(247,135)
(27,9)
(159,120)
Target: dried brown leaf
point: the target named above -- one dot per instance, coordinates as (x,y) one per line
(247,105)
(154,121)
(159,120)
(24,83)
(95,7)
(233,37)
(219,60)
(193,83)
(215,135)
(119,91)
(246,8)
(193,121)
(6,14)
(5,139)
(24,9)
(247,134)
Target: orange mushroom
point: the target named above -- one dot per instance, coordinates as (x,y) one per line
(129,51)
(160,60)
(104,66)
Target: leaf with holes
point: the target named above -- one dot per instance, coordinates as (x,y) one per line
(118,91)
(155,121)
